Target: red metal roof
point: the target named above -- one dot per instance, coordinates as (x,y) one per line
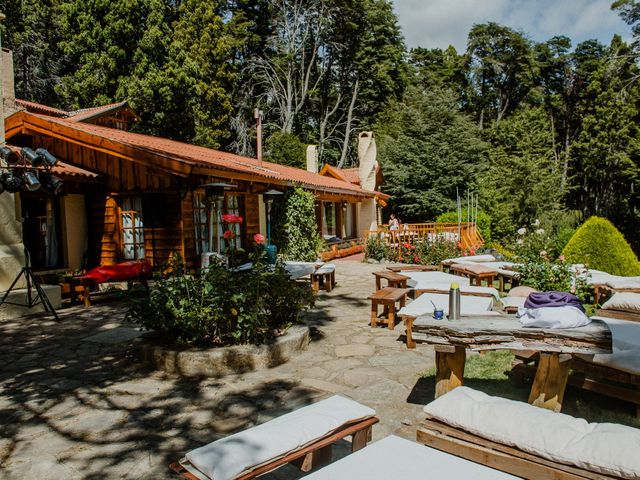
(88,113)
(39,108)
(65,169)
(206,157)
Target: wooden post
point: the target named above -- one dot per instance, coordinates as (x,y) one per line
(408,323)
(314,459)
(360,438)
(450,362)
(374,314)
(550,381)
(391,316)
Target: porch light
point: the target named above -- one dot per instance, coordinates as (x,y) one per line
(8,155)
(31,181)
(12,184)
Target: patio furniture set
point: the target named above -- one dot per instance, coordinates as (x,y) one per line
(465,434)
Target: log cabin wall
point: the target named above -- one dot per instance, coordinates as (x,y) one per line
(252,217)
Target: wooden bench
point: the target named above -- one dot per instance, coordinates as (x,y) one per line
(324,277)
(394,280)
(305,453)
(387,297)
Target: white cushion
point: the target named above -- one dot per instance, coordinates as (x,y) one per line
(424,279)
(470,258)
(228,457)
(604,448)
(626,301)
(396,458)
(625,339)
(298,270)
(553,317)
(326,268)
(469,305)
(624,282)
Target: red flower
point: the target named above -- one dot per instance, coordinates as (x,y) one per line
(229,234)
(416,259)
(413,247)
(405,245)
(231,218)
(259,239)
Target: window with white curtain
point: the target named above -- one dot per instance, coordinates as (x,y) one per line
(132,228)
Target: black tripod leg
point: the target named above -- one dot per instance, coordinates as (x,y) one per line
(43,297)
(6,294)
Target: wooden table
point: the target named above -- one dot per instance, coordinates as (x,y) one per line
(475,272)
(387,297)
(394,279)
(414,268)
(556,346)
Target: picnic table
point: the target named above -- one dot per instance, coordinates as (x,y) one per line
(395,280)
(555,346)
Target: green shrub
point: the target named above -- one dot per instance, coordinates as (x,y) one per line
(598,244)
(484,222)
(434,252)
(376,249)
(297,231)
(559,276)
(220,307)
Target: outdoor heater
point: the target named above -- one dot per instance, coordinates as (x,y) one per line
(214,193)
(269,196)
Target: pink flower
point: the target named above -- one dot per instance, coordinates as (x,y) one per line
(561,258)
(229,234)
(231,218)
(258,238)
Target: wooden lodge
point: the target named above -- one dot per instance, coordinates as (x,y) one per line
(132,196)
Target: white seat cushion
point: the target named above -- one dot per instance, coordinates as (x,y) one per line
(624,301)
(326,268)
(470,258)
(228,457)
(396,458)
(604,448)
(425,279)
(517,302)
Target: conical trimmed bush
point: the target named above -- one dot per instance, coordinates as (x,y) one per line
(599,244)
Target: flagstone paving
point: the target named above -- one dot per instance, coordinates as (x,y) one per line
(76,404)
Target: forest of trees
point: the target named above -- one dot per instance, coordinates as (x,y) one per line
(543,130)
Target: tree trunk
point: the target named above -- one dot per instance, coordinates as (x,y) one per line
(347,128)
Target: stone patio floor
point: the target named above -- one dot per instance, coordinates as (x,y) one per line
(75,403)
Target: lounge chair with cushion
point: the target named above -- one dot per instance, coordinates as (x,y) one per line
(529,441)
(303,437)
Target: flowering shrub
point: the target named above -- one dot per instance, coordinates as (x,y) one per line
(422,253)
(557,276)
(377,249)
(221,306)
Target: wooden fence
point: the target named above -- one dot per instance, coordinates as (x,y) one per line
(465,234)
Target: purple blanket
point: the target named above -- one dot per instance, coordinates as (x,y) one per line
(553,299)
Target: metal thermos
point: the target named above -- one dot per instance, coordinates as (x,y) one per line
(454,302)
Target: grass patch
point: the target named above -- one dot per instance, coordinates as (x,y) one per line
(489,373)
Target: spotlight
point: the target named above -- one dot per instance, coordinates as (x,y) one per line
(12,184)
(9,155)
(31,181)
(51,183)
(32,157)
(47,157)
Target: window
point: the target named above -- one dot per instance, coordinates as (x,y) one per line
(41,230)
(200,222)
(132,228)
(203,218)
(329,220)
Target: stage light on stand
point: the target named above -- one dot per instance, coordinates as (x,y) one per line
(51,183)
(31,181)
(12,183)
(8,155)
(46,157)
(32,157)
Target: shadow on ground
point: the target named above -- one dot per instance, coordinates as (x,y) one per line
(75,398)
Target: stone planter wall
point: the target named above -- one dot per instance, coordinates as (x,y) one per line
(218,362)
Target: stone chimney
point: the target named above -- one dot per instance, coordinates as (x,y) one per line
(367,153)
(312,158)
(8,88)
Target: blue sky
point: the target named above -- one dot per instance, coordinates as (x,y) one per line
(439,23)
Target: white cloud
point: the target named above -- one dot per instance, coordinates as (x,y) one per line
(439,23)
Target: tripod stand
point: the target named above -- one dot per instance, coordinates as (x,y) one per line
(31,282)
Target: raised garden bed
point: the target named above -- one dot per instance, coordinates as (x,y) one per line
(221,361)
(340,250)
